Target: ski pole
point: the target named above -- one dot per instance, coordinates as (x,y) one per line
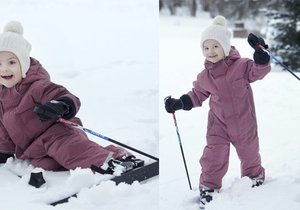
(61,120)
(277,61)
(182,153)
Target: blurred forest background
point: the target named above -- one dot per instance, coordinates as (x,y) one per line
(277,21)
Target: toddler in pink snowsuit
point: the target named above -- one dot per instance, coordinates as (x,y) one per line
(30,105)
(231,119)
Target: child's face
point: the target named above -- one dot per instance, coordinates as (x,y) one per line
(213,51)
(10,69)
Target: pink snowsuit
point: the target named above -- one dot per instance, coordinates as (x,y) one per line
(49,145)
(231,118)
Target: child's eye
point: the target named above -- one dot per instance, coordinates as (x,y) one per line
(12,62)
(216,46)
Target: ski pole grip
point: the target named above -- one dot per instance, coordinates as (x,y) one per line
(260,46)
(61,120)
(264,49)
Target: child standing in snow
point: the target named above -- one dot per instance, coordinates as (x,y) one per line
(30,105)
(231,119)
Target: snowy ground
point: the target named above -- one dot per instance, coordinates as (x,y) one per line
(105,52)
(277,105)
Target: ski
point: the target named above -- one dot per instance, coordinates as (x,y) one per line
(138,174)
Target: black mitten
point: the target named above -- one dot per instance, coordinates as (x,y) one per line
(260,57)
(255,42)
(172,104)
(54,109)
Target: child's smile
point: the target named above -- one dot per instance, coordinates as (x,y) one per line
(212,56)
(7,77)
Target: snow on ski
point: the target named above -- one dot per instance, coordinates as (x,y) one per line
(138,174)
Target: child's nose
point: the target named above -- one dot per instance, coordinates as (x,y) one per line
(3,68)
(211,51)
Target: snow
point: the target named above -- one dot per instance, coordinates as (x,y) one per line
(105,52)
(278,114)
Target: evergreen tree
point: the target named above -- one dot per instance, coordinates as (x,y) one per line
(286,36)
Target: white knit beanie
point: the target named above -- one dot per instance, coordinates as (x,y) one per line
(218,31)
(12,40)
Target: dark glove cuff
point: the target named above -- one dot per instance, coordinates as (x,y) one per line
(187,102)
(261,58)
(72,108)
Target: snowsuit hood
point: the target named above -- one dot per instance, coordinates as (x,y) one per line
(221,67)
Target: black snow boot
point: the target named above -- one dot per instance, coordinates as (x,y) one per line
(4,157)
(206,195)
(119,166)
(124,165)
(257,181)
(132,160)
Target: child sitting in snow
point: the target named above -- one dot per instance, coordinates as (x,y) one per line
(231,119)
(30,105)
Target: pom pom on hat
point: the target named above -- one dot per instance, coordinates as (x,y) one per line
(12,40)
(14,26)
(220,20)
(218,31)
